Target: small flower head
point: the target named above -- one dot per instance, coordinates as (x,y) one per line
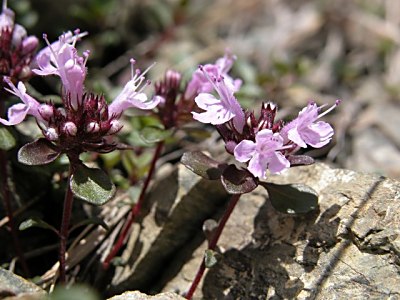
(16,48)
(85,121)
(306,130)
(200,82)
(219,111)
(132,94)
(265,153)
(61,58)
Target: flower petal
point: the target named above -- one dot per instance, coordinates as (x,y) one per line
(244,150)
(258,166)
(294,136)
(16,114)
(204,100)
(278,162)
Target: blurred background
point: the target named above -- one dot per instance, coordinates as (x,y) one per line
(287,51)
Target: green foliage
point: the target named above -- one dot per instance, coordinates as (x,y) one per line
(92,185)
(36,222)
(78,291)
(292,198)
(7,140)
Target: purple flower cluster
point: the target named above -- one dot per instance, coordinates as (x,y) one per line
(16,47)
(84,120)
(260,142)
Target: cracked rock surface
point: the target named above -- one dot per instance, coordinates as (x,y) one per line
(348,248)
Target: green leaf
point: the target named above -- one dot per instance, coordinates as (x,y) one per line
(76,291)
(210,258)
(92,185)
(7,140)
(155,134)
(237,181)
(202,165)
(36,222)
(39,152)
(292,198)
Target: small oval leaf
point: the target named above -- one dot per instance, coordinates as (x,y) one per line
(237,181)
(202,165)
(292,198)
(39,152)
(91,185)
(210,258)
(36,222)
(154,134)
(7,140)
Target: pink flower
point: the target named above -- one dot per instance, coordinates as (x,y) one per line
(220,111)
(132,95)
(61,58)
(18,112)
(201,84)
(263,154)
(304,130)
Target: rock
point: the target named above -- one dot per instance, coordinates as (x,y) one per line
(179,204)
(349,248)
(13,287)
(136,295)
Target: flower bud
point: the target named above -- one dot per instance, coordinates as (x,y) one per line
(115,127)
(51,134)
(70,128)
(19,34)
(93,127)
(6,18)
(29,44)
(46,111)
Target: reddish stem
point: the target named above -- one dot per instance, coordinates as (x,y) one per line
(66,217)
(213,243)
(135,209)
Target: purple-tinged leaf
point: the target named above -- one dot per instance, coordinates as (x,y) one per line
(202,165)
(292,198)
(237,181)
(39,152)
(300,160)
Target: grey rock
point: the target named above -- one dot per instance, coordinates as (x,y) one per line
(15,287)
(347,249)
(136,295)
(178,206)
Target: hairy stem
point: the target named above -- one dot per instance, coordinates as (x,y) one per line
(66,217)
(213,243)
(135,208)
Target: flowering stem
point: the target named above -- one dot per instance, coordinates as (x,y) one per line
(135,208)
(67,210)
(213,243)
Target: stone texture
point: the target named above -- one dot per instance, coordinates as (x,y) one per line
(15,287)
(349,248)
(178,205)
(136,295)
